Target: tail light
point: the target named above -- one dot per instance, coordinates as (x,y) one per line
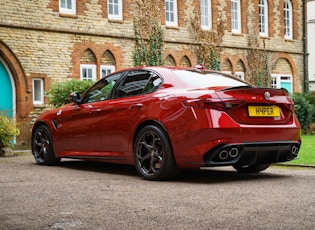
(213,103)
(290,107)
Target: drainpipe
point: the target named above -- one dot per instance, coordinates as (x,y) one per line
(305,61)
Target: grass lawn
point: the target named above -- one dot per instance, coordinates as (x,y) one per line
(307,152)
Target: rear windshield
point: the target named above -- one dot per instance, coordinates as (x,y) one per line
(207,79)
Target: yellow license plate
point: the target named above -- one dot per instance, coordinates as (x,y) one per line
(264,111)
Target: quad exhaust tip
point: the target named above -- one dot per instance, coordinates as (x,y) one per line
(232,153)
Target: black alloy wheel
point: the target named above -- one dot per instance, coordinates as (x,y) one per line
(42,147)
(153,154)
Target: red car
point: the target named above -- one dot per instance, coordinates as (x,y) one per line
(164,119)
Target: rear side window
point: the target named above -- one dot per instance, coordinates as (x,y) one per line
(138,82)
(207,79)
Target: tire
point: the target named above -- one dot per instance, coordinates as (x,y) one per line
(42,147)
(153,154)
(251,168)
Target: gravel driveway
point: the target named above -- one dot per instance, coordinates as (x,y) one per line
(86,195)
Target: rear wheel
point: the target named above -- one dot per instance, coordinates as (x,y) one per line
(42,147)
(153,154)
(251,168)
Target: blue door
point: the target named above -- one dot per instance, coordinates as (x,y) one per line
(287,86)
(6,94)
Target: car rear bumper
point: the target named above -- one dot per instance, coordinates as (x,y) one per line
(252,153)
(206,137)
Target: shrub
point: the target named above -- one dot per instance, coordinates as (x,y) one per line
(304,110)
(311,99)
(59,93)
(8,129)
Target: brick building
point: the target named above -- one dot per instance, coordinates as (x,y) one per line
(46,41)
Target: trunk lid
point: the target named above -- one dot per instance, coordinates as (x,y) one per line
(259,106)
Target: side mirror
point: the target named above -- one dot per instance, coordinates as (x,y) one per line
(75,97)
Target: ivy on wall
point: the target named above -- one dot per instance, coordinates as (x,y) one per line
(258,63)
(148,34)
(257,58)
(209,49)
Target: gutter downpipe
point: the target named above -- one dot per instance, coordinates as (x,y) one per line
(305,61)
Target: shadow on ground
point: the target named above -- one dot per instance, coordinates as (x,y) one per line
(208,175)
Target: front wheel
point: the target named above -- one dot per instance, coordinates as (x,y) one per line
(42,147)
(153,154)
(251,168)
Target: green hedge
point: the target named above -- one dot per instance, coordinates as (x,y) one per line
(59,93)
(304,106)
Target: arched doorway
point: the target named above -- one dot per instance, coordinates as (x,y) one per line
(282,76)
(7,90)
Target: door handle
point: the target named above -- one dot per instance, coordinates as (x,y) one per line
(95,110)
(138,105)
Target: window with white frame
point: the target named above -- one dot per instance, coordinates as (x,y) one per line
(205,14)
(236,16)
(88,72)
(240,75)
(106,69)
(67,6)
(38,91)
(227,72)
(171,12)
(288,28)
(115,9)
(263,18)
(273,83)
(282,81)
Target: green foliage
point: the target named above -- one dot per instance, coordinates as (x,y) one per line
(213,61)
(8,129)
(59,93)
(304,110)
(259,79)
(148,52)
(311,99)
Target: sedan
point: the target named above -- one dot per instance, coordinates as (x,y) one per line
(163,119)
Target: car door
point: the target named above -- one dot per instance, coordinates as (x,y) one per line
(126,108)
(78,127)
(80,124)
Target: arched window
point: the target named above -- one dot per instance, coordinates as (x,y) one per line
(185,62)
(88,66)
(240,70)
(227,66)
(288,28)
(170,61)
(236,16)
(263,18)
(282,76)
(108,64)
